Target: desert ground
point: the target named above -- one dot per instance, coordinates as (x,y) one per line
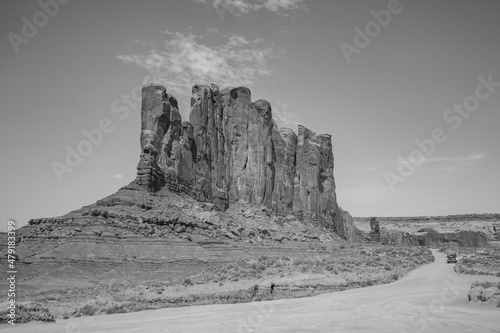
(431,298)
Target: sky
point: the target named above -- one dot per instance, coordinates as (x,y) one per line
(409,91)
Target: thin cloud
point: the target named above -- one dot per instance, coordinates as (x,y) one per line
(374,166)
(183,60)
(458,164)
(239,7)
(466,158)
(118,176)
(449,164)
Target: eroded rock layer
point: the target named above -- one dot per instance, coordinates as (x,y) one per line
(232,150)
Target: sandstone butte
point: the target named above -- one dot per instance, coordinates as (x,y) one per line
(231,155)
(231,150)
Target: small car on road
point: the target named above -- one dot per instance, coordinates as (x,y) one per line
(451,257)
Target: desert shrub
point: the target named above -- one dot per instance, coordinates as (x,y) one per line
(115,309)
(87,310)
(52,298)
(484,284)
(298,261)
(317,270)
(141,307)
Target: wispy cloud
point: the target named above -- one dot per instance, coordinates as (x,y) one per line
(449,164)
(118,176)
(458,163)
(466,158)
(239,7)
(374,166)
(182,60)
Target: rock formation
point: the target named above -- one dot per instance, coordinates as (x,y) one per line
(232,150)
(432,238)
(374,225)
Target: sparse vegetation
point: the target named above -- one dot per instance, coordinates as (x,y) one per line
(479,264)
(485,284)
(87,310)
(115,309)
(343,267)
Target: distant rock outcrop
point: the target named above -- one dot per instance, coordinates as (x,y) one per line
(436,231)
(430,237)
(231,149)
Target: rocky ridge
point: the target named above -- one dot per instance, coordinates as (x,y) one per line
(471,230)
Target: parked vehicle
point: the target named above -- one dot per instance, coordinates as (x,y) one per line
(451,257)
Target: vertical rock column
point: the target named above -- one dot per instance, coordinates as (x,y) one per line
(217,128)
(167,159)
(327,205)
(207,118)
(202,119)
(285,147)
(185,154)
(236,103)
(155,118)
(314,185)
(249,152)
(259,173)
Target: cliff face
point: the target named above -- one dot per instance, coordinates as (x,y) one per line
(231,149)
(430,237)
(471,230)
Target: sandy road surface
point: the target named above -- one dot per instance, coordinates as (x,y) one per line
(433,298)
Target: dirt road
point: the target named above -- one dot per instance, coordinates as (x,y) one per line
(432,298)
